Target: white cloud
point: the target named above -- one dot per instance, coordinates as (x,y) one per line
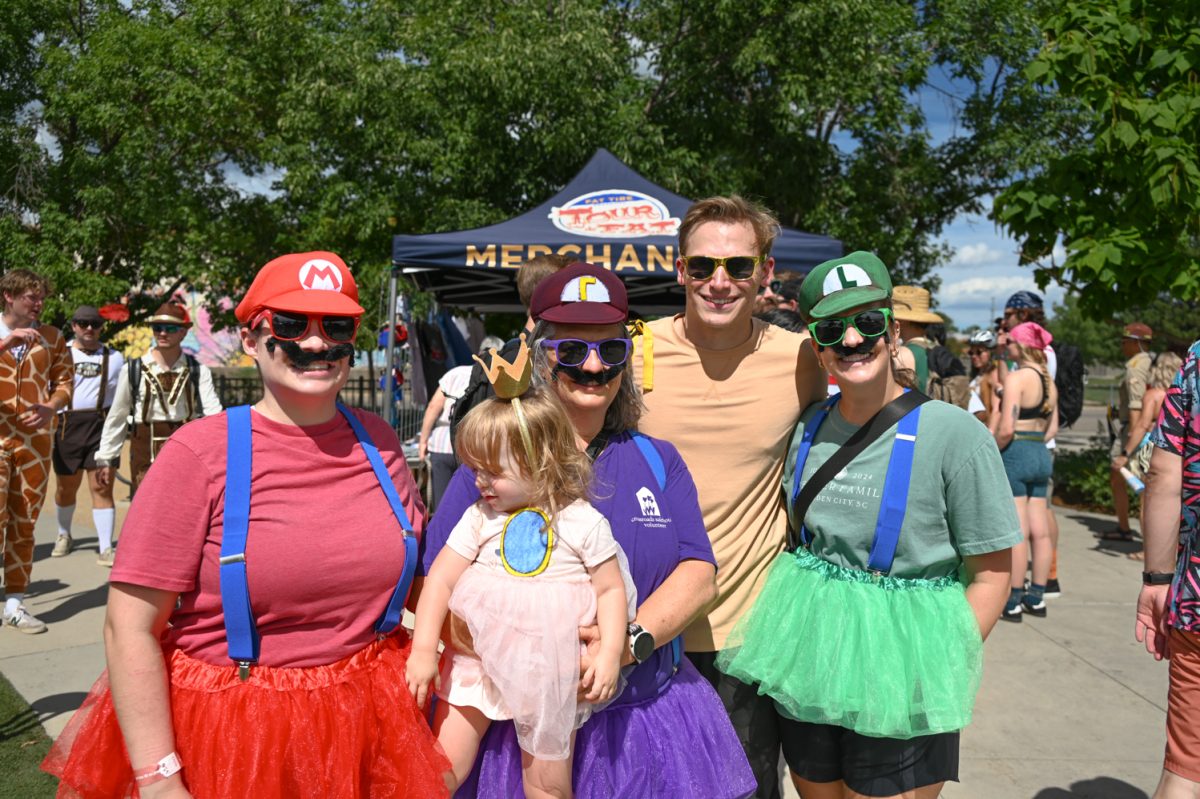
(979,254)
(984,288)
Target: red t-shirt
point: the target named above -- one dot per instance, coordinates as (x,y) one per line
(323,554)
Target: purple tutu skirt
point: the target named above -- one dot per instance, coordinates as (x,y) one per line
(679,743)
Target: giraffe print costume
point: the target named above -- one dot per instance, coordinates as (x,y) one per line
(28,375)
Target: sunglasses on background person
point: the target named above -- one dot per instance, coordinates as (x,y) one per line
(869,324)
(90,324)
(291,326)
(737,267)
(165,327)
(574,351)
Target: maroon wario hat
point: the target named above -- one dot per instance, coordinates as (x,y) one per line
(580,294)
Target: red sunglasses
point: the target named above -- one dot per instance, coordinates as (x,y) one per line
(291,326)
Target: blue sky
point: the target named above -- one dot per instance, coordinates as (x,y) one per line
(983,272)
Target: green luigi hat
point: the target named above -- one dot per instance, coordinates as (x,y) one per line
(836,286)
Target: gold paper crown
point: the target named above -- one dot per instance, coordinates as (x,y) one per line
(509,380)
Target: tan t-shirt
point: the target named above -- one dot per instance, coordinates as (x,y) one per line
(1133,385)
(731,414)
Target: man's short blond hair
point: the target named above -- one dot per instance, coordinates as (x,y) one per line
(19,281)
(731,210)
(537,269)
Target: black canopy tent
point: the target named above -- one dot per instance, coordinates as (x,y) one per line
(607,214)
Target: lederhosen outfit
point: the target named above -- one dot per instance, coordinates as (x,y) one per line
(78,435)
(163,389)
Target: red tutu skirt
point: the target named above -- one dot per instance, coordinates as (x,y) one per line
(349,730)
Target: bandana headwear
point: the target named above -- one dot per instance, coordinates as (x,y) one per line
(1024,299)
(510,381)
(1031,334)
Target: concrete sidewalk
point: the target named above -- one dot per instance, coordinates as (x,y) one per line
(1071,705)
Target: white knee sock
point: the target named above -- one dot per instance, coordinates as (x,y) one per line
(64,514)
(103,518)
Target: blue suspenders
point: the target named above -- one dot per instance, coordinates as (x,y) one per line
(655,462)
(240,630)
(895,485)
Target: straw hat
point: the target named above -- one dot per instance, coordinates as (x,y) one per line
(912,305)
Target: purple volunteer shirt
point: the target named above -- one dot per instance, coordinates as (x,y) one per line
(656,528)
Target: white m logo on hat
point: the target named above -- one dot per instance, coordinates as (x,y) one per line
(320,274)
(844,276)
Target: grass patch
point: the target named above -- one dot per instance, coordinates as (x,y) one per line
(23,744)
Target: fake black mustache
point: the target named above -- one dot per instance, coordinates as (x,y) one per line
(589,378)
(301,358)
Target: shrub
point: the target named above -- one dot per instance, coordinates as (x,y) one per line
(1081,481)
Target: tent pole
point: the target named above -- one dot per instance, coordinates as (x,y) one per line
(389,384)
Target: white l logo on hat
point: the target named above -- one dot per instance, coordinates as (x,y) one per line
(585,288)
(320,274)
(844,276)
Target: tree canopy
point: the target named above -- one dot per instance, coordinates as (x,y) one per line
(1120,188)
(149,143)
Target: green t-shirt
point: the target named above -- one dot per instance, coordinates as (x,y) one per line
(959,500)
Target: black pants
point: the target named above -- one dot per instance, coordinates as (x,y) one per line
(441,468)
(755,719)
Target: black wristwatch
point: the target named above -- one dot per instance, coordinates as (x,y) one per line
(641,643)
(1157,578)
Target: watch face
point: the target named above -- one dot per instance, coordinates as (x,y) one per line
(643,646)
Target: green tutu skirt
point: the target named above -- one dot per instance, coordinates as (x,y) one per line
(886,657)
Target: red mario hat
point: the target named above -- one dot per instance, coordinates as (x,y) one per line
(580,294)
(304,282)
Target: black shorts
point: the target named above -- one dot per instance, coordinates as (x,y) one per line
(76,441)
(869,766)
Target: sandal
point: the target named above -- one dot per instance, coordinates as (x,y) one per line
(1117,535)
(1139,556)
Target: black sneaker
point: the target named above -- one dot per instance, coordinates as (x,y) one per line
(1034,607)
(1053,590)
(1014,613)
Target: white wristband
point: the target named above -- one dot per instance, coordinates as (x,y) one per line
(161,770)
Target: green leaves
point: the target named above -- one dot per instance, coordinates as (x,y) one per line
(1126,190)
(358,120)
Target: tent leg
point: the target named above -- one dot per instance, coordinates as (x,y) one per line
(389,382)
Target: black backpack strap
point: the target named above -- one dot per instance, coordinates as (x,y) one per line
(876,426)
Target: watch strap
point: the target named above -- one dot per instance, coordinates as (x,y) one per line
(1157,578)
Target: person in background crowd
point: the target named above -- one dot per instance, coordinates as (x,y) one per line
(1138,446)
(1135,347)
(252,634)
(435,441)
(1021,307)
(868,634)
(1168,607)
(666,735)
(97,369)
(788,320)
(727,390)
(35,383)
(781,293)
(531,273)
(1028,419)
(159,393)
(984,382)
